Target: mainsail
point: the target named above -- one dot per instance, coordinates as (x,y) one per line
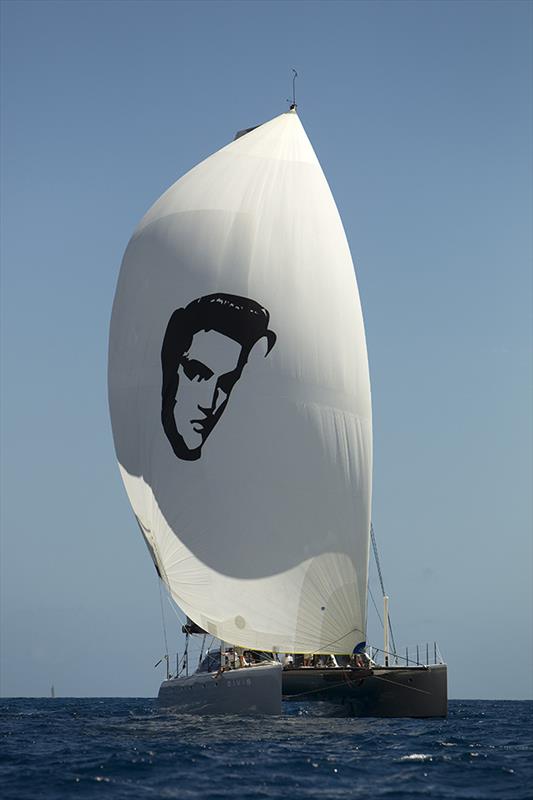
(240,398)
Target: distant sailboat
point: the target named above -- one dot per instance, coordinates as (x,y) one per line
(52,691)
(240,404)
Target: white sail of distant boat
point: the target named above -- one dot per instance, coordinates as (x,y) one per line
(240,398)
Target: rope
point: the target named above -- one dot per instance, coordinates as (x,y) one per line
(402,685)
(350,681)
(328,644)
(312,691)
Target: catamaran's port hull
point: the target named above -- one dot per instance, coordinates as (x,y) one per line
(380,692)
(250,691)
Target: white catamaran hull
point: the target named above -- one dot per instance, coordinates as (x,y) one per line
(249,690)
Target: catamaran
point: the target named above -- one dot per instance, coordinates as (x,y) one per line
(240,404)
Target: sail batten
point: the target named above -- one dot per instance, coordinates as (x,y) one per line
(240,397)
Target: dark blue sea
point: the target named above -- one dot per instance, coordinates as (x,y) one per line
(126,748)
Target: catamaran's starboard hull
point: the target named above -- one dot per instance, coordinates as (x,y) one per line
(249,691)
(380,692)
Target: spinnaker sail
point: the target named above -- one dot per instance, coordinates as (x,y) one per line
(240,398)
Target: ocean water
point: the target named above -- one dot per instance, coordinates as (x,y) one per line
(127,748)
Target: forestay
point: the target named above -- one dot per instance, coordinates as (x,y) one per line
(240,398)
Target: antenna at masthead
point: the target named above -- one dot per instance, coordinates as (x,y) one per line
(293,105)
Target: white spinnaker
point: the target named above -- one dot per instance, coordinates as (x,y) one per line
(260,528)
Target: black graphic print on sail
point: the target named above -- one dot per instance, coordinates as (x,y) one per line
(205,349)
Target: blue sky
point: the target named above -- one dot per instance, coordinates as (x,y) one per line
(420,114)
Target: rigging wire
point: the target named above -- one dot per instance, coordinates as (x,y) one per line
(163,620)
(202,649)
(175,608)
(375,605)
(376,556)
(380,576)
(177,611)
(382,585)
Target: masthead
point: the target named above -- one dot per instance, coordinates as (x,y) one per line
(293,105)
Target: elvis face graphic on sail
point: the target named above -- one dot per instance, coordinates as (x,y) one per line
(205,349)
